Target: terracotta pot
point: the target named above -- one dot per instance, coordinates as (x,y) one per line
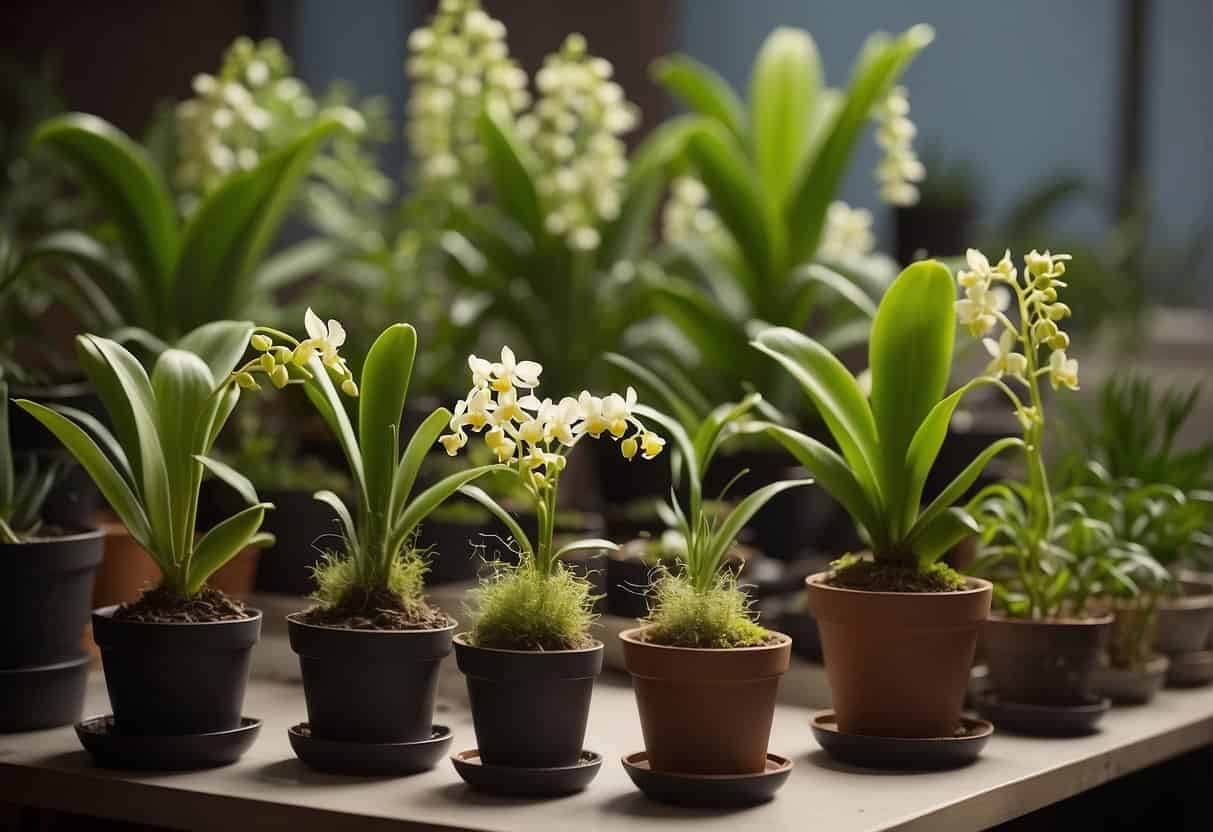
(898,662)
(529,707)
(126,569)
(1183,624)
(1044,662)
(238,576)
(705,711)
(1133,685)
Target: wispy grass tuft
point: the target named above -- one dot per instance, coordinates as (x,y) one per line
(718,617)
(519,608)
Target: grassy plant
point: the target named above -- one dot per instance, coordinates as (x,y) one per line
(378,537)
(524,608)
(889,444)
(718,617)
(24,491)
(149,469)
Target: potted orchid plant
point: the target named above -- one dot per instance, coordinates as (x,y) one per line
(43,669)
(370,648)
(176,661)
(528,656)
(705,672)
(899,619)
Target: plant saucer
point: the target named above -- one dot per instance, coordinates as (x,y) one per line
(522,781)
(1131,686)
(369,759)
(112,749)
(707,789)
(903,753)
(1189,670)
(1043,720)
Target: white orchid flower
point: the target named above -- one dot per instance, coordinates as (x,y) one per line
(980,307)
(559,419)
(593,420)
(1063,370)
(480,407)
(508,408)
(509,372)
(617,410)
(651,444)
(482,370)
(1004,358)
(500,444)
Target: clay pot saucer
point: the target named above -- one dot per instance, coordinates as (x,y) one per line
(1043,720)
(1190,670)
(707,789)
(113,749)
(522,781)
(1126,686)
(374,759)
(903,753)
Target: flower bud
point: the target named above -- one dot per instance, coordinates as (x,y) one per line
(628,447)
(247,381)
(1060,341)
(349,387)
(260,342)
(268,363)
(279,376)
(1049,294)
(1043,330)
(1058,311)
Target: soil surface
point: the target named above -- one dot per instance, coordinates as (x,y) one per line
(378,610)
(768,640)
(159,606)
(877,577)
(584,643)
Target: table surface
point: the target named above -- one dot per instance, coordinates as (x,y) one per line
(270,789)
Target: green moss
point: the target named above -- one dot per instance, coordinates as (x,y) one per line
(338,581)
(519,608)
(718,618)
(853,572)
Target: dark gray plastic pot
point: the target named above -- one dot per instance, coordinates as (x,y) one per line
(372,686)
(529,707)
(175,679)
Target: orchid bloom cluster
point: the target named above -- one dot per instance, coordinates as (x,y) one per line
(686,214)
(848,233)
(574,128)
(901,168)
(455,63)
(987,292)
(277,359)
(535,435)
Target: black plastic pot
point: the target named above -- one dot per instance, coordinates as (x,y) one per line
(938,230)
(50,592)
(45,696)
(529,708)
(373,686)
(175,679)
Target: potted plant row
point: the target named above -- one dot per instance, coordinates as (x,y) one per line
(176,661)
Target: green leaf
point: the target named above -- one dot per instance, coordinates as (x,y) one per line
(385,384)
(348,530)
(817,274)
(784,86)
(296,262)
(685,448)
(956,489)
(724,536)
(222,543)
(737,197)
(943,532)
(880,63)
(910,356)
(111,272)
(480,496)
(720,341)
(434,496)
(181,384)
(422,441)
(131,192)
(837,398)
(509,169)
(707,438)
(228,234)
(323,395)
(101,435)
(109,482)
(831,473)
(593,543)
(650,382)
(241,484)
(221,344)
(703,90)
(7,476)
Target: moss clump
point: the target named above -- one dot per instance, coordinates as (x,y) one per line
(346,598)
(719,617)
(852,572)
(520,608)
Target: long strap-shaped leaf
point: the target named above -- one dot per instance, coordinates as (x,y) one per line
(497,510)
(348,529)
(703,90)
(131,191)
(424,504)
(228,234)
(784,86)
(710,434)
(943,532)
(653,383)
(385,383)
(122,289)
(510,171)
(420,444)
(686,452)
(956,489)
(723,537)
(324,397)
(878,67)
(220,344)
(222,543)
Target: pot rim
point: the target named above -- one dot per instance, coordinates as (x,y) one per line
(108,614)
(292,618)
(1092,621)
(629,636)
(90,533)
(461,640)
(1156,665)
(973,586)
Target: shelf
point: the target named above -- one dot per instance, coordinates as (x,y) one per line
(270,789)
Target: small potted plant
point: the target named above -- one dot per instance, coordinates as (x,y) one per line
(898,620)
(704,671)
(176,661)
(43,669)
(371,647)
(528,657)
